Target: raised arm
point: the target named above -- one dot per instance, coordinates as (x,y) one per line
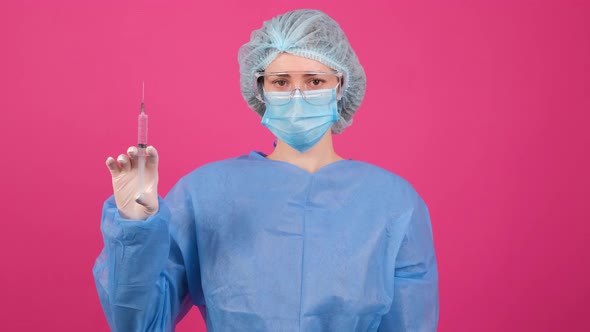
(142,274)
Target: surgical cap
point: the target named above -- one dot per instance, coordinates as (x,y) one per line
(310,34)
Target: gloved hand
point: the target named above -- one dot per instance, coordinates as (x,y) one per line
(125,178)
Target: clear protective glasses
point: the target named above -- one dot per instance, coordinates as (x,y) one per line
(313,86)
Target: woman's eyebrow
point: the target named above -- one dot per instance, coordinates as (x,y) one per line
(280,75)
(289,75)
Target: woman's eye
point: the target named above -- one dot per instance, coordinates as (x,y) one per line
(316,82)
(280,83)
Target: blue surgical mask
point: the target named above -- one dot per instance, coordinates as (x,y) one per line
(300,120)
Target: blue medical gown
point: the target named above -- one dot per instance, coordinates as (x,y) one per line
(262,245)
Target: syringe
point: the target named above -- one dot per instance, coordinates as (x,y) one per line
(142,144)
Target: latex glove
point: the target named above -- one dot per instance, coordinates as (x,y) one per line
(124,172)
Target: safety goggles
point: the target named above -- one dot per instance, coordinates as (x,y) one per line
(310,85)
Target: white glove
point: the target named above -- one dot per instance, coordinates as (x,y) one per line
(124,172)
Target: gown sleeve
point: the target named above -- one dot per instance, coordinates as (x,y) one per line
(415,296)
(142,274)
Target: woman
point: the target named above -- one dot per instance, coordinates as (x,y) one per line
(299,240)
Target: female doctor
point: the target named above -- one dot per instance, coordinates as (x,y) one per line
(301,239)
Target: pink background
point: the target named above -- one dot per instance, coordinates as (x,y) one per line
(482,105)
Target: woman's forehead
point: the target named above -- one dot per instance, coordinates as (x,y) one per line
(286,62)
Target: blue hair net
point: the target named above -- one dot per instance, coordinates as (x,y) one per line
(310,34)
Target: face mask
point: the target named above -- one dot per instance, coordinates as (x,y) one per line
(300,121)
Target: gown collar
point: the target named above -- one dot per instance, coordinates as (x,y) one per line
(261,156)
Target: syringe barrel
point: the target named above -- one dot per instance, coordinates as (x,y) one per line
(142,130)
